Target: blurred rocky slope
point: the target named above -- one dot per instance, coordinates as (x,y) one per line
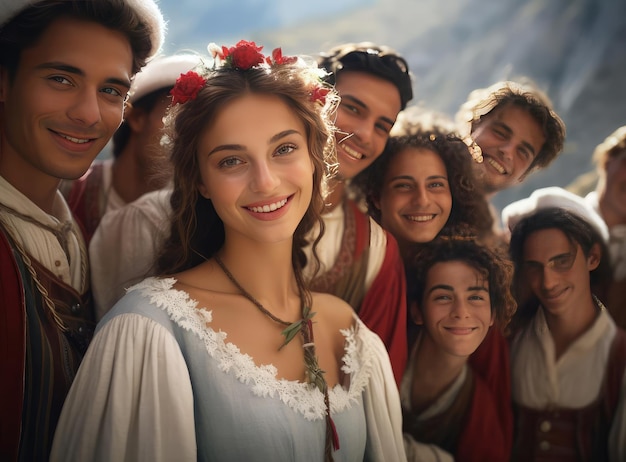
(575,50)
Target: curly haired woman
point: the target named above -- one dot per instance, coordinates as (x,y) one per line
(423,184)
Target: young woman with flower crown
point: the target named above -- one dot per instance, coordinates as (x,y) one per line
(191,365)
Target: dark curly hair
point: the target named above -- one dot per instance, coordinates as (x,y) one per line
(490,262)
(469,206)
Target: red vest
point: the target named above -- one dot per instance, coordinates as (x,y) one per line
(383,307)
(38,360)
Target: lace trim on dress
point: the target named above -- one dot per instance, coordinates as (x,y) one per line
(359,358)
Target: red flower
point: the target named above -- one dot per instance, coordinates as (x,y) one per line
(318,95)
(278,58)
(187,87)
(245,55)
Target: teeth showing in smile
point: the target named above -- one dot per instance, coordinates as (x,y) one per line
(496,165)
(269,208)
(351,152)
(421,218)
(460,330)
(74,140)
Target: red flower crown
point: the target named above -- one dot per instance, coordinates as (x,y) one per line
(243,56)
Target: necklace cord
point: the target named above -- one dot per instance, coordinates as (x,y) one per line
(249,296)
(314,374)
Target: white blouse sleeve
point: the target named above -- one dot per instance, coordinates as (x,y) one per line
(421,452)
(124,247)
(382,404)
(131,399)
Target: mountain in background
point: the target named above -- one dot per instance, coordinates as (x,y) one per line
(575,50)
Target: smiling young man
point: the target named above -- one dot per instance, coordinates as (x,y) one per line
(458,289)
(65,70)
(567,354)
(516,129)
(360,262)
(137,165)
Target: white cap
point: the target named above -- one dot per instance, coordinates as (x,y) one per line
(161,72)
(146,9)
(554,197)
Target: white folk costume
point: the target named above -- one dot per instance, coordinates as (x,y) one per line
(559,402)
(124,247)
(360,263)
(572,407)
(133,394)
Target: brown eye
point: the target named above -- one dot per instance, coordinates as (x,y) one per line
(563,262)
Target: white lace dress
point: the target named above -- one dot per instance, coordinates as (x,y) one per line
(157,384)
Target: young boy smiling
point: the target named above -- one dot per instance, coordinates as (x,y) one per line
(460,289)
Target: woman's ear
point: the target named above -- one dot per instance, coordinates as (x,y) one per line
(203,190)
(593,259)
(416,313)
